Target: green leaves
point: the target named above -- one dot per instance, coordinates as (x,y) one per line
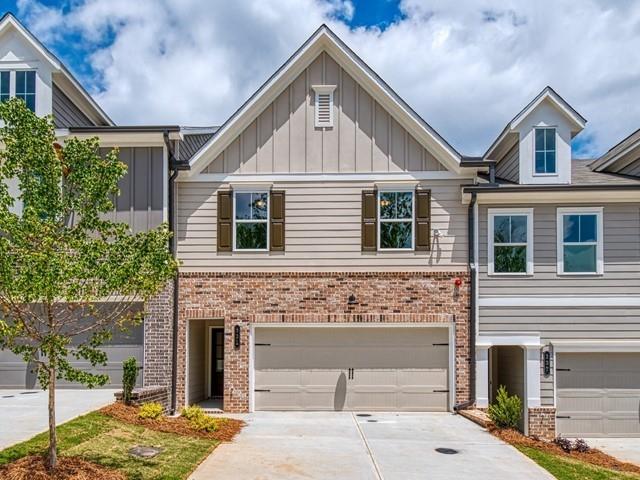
(507,410)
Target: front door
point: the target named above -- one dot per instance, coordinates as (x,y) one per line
(217,362)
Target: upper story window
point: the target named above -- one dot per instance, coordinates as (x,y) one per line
(26,87)
(251,220)
(545,151)
(5,92)
(395,220)
(510,241)
(580,242)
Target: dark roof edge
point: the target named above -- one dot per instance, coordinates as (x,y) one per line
(475,162)
(126,129)
(492,188)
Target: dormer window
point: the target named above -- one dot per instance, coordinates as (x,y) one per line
(545,151)
(323,105)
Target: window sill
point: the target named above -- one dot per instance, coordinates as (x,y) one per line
(580,274)
(504,274)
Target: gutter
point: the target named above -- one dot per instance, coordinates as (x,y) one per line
(127,129)
(472,309)
(492,188)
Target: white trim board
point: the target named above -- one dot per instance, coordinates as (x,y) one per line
(326,177)
(588,346)
(561,301)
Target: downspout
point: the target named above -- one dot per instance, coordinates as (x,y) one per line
(174,343)
(472,306)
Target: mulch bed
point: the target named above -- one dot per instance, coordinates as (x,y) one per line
(593,456)
(227,427)
(68,468)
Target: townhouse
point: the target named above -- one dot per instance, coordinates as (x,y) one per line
(338,254)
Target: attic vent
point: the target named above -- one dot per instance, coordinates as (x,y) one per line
(323,105)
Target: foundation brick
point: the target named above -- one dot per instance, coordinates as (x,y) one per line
(542,422)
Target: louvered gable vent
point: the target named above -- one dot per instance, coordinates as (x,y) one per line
(323,105)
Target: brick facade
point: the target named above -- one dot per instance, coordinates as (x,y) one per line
(542,422)
(245,298)
(158,338)
(140,396)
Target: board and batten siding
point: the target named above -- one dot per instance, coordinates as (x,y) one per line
(284,139)
(65,113)
(621,277)
(141,201)
(322,231)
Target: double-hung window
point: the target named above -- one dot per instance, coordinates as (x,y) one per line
(395,219)
(251,220)
(545,151)
(26,87)
(5,92)
(580,242)
(510,241)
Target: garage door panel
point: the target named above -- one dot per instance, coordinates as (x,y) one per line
(351,369)
(613,409)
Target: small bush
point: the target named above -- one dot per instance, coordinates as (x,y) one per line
(192,412)
(506,411)
(151,410)
(564,443)
(578,445)
(198,419)
(129,377)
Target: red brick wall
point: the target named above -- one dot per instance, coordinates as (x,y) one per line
(158,338)
(385,297)
(542,422)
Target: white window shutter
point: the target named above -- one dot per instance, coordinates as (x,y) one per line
(323,105)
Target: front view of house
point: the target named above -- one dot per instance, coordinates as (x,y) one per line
(338,254)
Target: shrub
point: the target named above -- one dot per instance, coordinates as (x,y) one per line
(579,445)
(129,377)
(563,443)
(506,411)
(151,410)
(199,420)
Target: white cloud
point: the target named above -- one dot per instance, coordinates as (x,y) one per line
(467,66)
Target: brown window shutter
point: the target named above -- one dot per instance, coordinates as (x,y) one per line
(225,220)
(369,234)
(277,221)
(423,220)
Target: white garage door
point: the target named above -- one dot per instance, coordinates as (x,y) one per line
(598,394)
(351,368)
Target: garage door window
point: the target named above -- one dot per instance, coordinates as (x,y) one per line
(395,215)
(580,249)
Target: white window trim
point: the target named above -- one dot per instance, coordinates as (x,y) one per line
(249,189)
(397,188)
(561,212)
(555,134)
(493,212)
(323,90)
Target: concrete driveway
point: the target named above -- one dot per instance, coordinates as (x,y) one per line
(625,449)
(342,445)
(24,413)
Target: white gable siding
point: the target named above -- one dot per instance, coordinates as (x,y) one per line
(284,139)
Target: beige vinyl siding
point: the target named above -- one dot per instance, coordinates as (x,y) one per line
(284,139)
(322,231)
(508,167)
(621,277)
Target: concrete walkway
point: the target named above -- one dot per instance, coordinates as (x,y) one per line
(342,445)
(625,449)
(24,413)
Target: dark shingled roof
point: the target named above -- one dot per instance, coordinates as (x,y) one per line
(192,142)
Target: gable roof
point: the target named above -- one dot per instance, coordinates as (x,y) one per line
(618,150)
(547,94)
(8,21)
(323,39)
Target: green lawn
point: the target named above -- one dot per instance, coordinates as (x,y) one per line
(105,440)
(566,469)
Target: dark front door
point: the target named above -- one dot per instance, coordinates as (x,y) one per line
(217,362)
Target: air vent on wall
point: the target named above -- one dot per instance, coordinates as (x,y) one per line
(323,105)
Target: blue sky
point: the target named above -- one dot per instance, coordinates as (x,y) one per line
(467,67)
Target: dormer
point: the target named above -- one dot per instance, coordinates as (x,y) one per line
(28,70)
(535,146)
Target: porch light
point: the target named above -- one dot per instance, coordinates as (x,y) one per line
(352,300)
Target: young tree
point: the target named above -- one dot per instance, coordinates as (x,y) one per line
(69,276)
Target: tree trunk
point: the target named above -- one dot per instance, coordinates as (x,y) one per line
(53,440)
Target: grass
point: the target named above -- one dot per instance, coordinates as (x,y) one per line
(567,469)
(106,441)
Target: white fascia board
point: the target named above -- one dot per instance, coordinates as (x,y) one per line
(573,301)
(323,40)
(590,346)
(323,177)
(521,339)
(124,139)
(557,102)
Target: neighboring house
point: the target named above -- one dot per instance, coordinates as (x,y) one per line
(557,250)
(338,254)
